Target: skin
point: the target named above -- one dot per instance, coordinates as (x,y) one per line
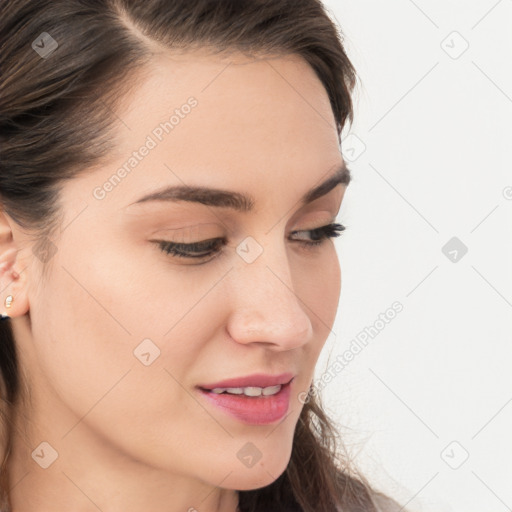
(131,437)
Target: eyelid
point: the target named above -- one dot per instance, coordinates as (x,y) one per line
(224,240)
(190,252)
(189,234)
(318,221)
(198,233)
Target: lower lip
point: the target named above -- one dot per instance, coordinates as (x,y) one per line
(260,410)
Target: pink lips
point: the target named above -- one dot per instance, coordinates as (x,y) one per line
(259,410)
(259,380)
(253,410)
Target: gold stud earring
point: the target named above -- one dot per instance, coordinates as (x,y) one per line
(8,303)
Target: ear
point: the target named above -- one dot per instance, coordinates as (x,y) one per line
(13,278)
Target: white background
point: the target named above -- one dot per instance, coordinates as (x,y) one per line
(436,164)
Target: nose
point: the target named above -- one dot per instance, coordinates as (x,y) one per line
(266,308)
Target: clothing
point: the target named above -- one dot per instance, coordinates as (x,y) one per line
(384,503)
(381,502)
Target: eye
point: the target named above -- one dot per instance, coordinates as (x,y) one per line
(206,248)
(197,250)
(321,235)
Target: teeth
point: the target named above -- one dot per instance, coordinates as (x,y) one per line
(271,390)
(249,391)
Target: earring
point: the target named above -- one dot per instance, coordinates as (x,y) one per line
(8,303)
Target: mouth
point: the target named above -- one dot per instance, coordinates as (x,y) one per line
(248,391)
(251,405)
(250,383)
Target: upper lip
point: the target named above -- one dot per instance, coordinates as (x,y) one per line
(260,380)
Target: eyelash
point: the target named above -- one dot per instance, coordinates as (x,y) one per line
(184,250)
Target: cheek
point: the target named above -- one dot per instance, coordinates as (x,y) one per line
(319,285)
(102,314)
(80,347)
(331,276)
(84,351)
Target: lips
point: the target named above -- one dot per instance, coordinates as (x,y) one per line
(251,410)
(260,380)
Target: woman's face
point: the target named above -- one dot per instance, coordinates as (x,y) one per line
(123,334)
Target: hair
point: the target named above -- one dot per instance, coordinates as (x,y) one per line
(56,121)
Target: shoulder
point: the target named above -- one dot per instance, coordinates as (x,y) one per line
(384,503)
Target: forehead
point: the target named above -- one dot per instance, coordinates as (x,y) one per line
(242,102)
(256,123)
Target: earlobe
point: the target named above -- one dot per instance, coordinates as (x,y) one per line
(7,304)
(12,294)
(11,286)
(8,278)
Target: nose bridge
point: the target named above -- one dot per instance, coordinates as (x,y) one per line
(265,306)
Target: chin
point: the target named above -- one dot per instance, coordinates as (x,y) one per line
(260,475)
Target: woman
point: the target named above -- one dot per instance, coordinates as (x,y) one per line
(169,181)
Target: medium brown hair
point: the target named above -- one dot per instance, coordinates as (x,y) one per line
(56,120)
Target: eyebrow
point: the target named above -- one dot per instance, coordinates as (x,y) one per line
(237,200)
